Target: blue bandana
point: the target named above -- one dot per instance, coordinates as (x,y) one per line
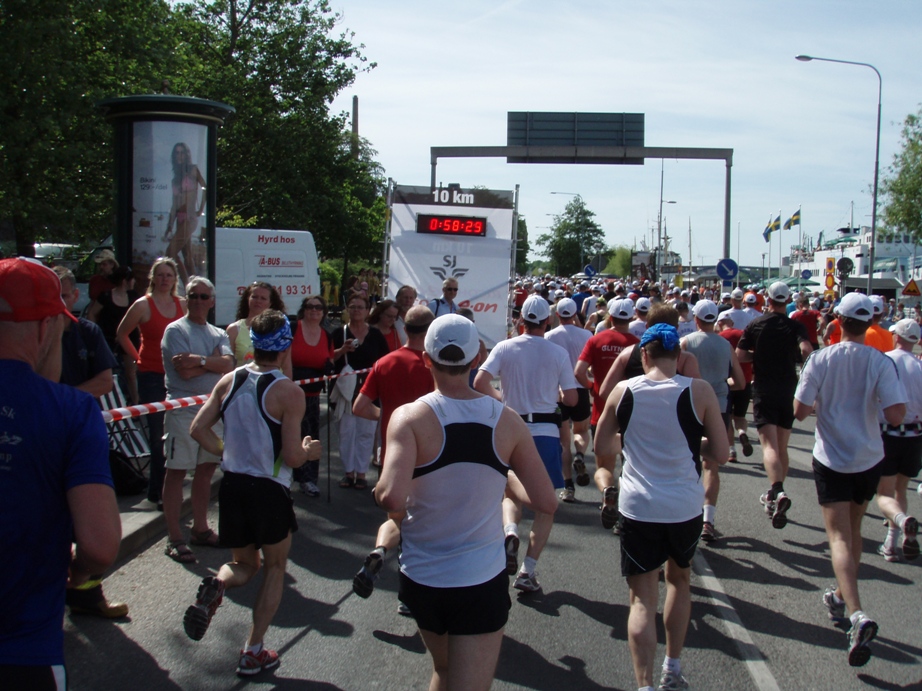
(275,342)
(664,333)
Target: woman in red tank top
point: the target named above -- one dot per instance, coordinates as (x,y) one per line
(151,314)
(382,317)
(311,356)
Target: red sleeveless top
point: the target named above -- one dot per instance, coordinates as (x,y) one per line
(150,358)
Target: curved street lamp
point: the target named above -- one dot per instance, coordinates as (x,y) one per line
(880,88)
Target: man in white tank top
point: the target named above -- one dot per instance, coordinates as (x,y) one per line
(457,437)
(660,417)
(257,473)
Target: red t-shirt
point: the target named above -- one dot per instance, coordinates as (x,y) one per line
(734,336)
(809,318)
(313,357)
(600,352)
(397,378)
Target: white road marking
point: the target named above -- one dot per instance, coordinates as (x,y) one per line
(749,653)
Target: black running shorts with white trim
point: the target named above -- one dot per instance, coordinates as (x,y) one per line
(579,412)
(646,546)
(902,456)
(466,611)
(253,511)
(833,486)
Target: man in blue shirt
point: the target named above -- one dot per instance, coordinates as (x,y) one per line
(57,506)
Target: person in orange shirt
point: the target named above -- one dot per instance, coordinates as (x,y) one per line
(877,336)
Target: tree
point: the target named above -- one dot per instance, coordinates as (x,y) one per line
(59,58)
(620,262)
(522,247)
(901,186)
(574,238)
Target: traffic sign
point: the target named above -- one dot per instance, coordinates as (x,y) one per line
(806,274)
(589,270)
(727,269)
(912,289)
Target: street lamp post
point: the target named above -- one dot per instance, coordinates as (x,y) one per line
(659,226)
(880,88)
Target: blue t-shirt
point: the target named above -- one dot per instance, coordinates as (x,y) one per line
(52,438)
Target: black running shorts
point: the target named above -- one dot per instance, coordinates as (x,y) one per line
(579,412)
(773,406)
(833,486)
(646,546)
(739,401)
(253,511)
(902,456)
(466,611)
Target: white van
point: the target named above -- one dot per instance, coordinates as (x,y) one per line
(286,259)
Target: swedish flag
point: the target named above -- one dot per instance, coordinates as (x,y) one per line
(776,224)
(795,219)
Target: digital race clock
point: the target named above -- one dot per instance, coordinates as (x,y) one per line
(461,226)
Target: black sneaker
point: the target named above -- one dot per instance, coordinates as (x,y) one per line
(512,554)
(609,515)
(746,444)
(782,504)
(198,616)
(363,584)
(910,539)
(579,467)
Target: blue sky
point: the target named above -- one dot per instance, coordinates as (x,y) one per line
(713,73)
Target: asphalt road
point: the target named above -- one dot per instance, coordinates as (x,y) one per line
(757,619)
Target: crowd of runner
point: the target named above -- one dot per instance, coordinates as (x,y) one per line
(658,381)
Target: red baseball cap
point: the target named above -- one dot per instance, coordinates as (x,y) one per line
(29,291)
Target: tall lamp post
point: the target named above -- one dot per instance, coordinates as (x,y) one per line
(659,225)
(880,88)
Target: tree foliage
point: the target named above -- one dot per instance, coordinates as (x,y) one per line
(901,186)
(575,238)
(522,247)
(284,160)
(619,262)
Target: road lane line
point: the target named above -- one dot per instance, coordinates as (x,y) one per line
(750,654)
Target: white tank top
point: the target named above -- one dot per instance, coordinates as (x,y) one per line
(661,433)
(252,437)
(453,533)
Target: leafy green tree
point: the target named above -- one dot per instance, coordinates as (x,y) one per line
(619,263)
(522,247)
(574,238)
(59,58)
(901,186)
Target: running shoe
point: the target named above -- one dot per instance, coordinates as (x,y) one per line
(526,583)
(747,445)
(767,504)
(672,682)
(779,517)
(888,552)
(732,456)
(579,467)
(198,616)
(363,584)
(861,633)
(512,554)
(609,514)
(254,663)
(708,532)
(835,606)
(910,538)
(310,489)
(567,494)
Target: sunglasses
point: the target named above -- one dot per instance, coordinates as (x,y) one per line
(314,306)
(451,290)
(198,296)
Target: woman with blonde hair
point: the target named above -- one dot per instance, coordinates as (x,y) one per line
(256,299)
(152,313)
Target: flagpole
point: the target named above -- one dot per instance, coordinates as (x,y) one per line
(738,224)
(780,263)
(800,241)
(769,247)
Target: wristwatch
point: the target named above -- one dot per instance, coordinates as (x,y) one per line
(202,361)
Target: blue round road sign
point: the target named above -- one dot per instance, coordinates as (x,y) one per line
(727,269)
(806,274)
(589,270)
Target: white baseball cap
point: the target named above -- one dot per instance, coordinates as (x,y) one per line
(751,299)
(877,302)
(566,307)
(448,330)
(535,309)
(706,311)
(737,294)
(643,305)
(907,329)
(621,308)
(779,292)
(856,306)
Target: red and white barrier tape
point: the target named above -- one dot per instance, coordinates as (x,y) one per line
(116,414)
